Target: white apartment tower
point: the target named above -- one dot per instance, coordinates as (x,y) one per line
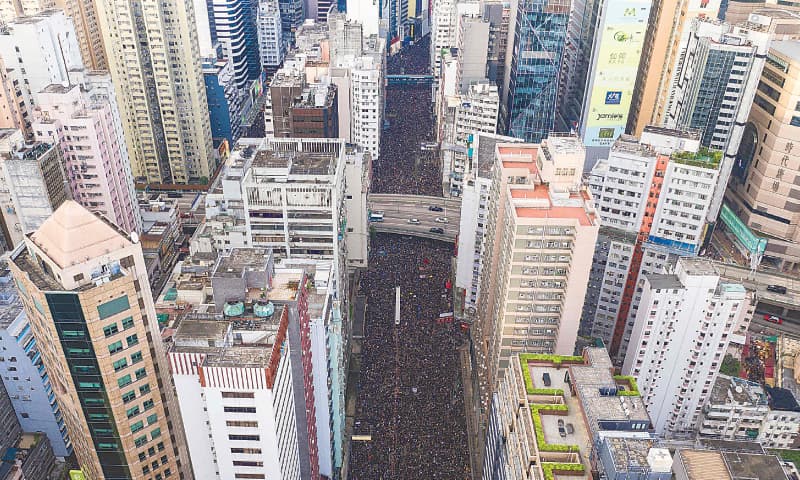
(271,44)
(679,338)
(154,60)
(540,226)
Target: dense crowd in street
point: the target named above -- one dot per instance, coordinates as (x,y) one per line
(403,166)
(410,397)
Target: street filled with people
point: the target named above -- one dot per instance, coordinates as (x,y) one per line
(410,398)
(405,164)
(409,419)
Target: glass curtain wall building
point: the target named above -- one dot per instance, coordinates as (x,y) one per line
(539,36)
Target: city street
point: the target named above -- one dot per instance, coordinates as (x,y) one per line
(409,413)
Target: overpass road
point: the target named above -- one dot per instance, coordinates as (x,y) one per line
(399,210)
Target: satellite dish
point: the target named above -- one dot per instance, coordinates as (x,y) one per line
(134,237)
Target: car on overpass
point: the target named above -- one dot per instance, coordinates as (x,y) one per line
(773,319)
(440,219)
(438,230)
(777,289)
(435,208)
(413,221)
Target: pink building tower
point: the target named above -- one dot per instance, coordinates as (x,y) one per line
(84,120)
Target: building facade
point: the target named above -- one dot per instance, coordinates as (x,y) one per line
(225,103)
(160,90)
(84,121)
(90,302)
(680,335)
(271,42)
(530,87)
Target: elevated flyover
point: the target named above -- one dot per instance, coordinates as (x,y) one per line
(399,209)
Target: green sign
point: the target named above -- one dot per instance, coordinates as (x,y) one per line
(76,475)
(746,237)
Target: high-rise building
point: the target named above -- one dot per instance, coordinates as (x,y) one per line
(762,191)
(443,32)
(576,62)
(83,14)
(472,42)
(716,79)
(271,42)
(83,120)
(650,217)
(680,335)
(160,91)
(44,48)
(300,109)
(620,34)
(540,226)
(602,423)
(85,290)
(668,27)
(498,15)
(225,103)
(533,66)
(24,375)
(233,26)
(476,111)
(33,177)
(292,16)
(14,105)
(474,205)
(234,377)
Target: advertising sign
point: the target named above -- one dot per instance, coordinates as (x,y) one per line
(615,65)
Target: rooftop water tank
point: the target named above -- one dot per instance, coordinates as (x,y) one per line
(233,309)
(263,309)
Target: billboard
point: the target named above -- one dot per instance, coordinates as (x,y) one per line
(615,64)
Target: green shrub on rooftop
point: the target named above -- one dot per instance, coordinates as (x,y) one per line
(549,467)
(539,429)
(633,390)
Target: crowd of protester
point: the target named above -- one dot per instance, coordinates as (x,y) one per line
(410,397)
(406,165)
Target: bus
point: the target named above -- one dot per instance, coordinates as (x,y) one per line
(376,216)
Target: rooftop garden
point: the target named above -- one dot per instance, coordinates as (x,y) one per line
(632,389)
(704,158)
(555,360)
(536,412)
(552,469)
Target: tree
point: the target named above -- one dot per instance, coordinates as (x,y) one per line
(730,366)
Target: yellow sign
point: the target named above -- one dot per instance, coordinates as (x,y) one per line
(76,475)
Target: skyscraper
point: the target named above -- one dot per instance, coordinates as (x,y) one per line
(530,87)
(154,60)
(90,39)
(233,25)
(85,290)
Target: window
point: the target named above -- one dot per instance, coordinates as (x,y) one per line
(120,364)
(127,323)
(144,389)
(142,457)
(140,441)
(136,357)
(109,330)
(249,451)
(132,412)
(141,373)
(246,463)
(148,404)
(244,437)
(96,417)
(129,396)
(89,385)
(155,433)
(107,446)
(138,426)
(112,307)
(115,347)
(151,419)
(73,333)
(132,340)
(239,409)
(126,380)
(238,395)
(241,423)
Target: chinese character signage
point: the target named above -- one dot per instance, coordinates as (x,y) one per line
(615,65)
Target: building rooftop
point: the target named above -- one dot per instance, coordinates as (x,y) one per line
(787,48)
(201,329)
(703,158)
(660,281)
(698,266)
(630,454)
(730,465)
(630,144)
(563,145)
(673,132)
(240,260)
(298,163)
(737,390)
(704,464)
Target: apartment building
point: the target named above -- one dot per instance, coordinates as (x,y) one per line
(727,462)
(669,27)
(23,373)
(271,43)
(681,333)
(568,415)
(83,119)
(233,25)
(740,410)
(762,191)
(10,10)
(33,184)
(14,105)
(474,207)
(475,112)
(85,291)
(301,109)
(540,224)
(160,89)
